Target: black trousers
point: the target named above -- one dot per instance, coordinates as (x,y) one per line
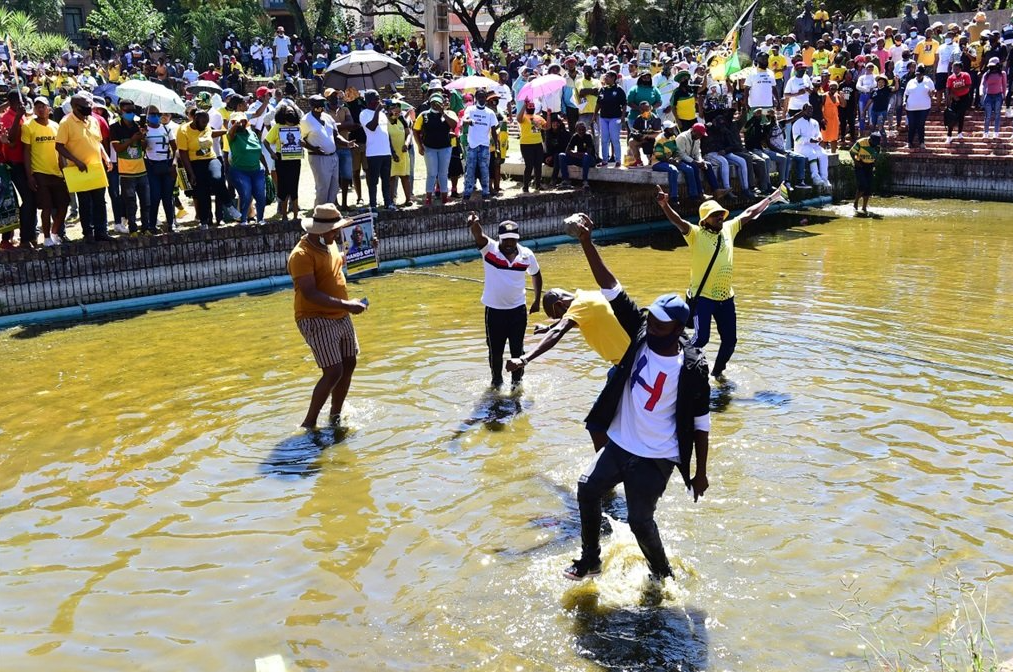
(533,155)
(644,480)
(29,219)
(502,326)
(209,181)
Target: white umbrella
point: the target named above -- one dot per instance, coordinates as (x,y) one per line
(362,69)
(145,93)
(541,86)
(472,82)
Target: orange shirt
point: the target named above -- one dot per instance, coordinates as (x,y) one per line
(325,267)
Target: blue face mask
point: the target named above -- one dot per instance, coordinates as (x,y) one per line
(129,116)
(154,119)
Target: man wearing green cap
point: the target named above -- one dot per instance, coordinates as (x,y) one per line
(710,277)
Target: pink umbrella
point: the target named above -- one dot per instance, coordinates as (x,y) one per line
(541,86)
(472,82)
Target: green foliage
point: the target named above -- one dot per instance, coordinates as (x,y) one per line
(514,33)
(392,27)
(48,14)
(126,21)
(26,38)
(208,24)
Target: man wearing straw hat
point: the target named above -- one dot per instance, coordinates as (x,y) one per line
(322,309)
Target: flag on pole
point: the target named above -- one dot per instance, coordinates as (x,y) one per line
(723,60)
(470,57)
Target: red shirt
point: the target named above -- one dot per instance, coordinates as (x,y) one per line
(15,154)
(210,76)
(959,85)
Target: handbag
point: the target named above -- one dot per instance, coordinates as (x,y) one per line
(270,191)
(691,300)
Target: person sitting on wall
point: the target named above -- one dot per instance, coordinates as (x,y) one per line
(643,131)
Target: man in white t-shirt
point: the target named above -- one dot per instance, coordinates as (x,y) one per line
(761,86)
(652,416)
(506,263)
(282,49)
(374,121)
(257,56)
(479,122)
(796,95)
(320,138)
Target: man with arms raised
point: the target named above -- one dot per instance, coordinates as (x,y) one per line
(656,408)
(506,262)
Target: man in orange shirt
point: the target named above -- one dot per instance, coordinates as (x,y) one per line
(322,309)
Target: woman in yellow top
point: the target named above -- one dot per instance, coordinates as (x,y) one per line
(400,158)
(531,145)
(684,101)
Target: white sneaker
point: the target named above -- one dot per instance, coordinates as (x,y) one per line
(949,139)
(261,223)
(960,136)
(120,227)
(54,239)
(49,242)
(991,135)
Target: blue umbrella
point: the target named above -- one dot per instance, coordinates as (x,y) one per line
(107,91)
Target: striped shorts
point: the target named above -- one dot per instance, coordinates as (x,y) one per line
(330,340)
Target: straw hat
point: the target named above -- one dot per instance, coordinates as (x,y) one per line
(326,218)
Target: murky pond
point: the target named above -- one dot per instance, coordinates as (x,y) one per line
(159,512)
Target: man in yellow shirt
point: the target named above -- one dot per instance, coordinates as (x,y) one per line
(322,309)
(42,164)
(710,277)
(927,51)
(778,64)
(79,141)
(589,311)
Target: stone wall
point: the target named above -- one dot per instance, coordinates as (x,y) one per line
(984,178)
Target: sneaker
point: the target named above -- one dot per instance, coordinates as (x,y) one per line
(49,242)
(261,222)
(948,139)
(55,238)
(73,217)
(392,207)
(583,569)
(960,136)
(120,227)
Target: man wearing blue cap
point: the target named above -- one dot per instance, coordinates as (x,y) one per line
(655,409)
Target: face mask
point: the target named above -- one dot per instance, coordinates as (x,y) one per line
(480,103)
(662,343)
(948,40)
(154,119)
(129,116)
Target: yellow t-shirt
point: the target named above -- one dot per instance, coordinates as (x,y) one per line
(598,324)
(529,134)
(685,108)
(821,15)
(308,259)
(778,64)
(586,107)
(925,52)
(837,73)
(83,139)
(198,143)
(41,139)
(701,247)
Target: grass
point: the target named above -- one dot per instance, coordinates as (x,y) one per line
(961,642)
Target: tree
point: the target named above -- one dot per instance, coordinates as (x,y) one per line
(26,39)
(48,14)
(126,21)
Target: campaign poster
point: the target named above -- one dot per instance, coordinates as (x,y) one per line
(357,242)
(644,54)
(9,211)
(291,138)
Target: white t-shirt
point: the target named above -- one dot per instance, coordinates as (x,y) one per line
(805,131)
(897,54)
(795,85)
(319,132)
(918,94)
(504,279)
(378,141)
(761,88)
(156,143)
(191,76)
(946,55)
(282,43)
(483,120)
(644,423)
(216,122)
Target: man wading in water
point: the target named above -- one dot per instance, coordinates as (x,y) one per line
(656,408)
(322,307)
(710,270)
(506,311)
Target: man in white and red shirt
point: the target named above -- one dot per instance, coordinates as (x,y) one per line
(506,263)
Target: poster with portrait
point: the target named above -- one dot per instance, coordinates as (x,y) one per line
(291,139)
(357,242)
(644,54)
(9,212)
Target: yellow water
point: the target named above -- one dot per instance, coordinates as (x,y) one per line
(159,512)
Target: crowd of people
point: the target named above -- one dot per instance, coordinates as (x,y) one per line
(677,111)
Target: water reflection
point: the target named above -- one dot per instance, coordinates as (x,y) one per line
(300,454)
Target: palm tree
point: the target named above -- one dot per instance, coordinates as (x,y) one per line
(26,39)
